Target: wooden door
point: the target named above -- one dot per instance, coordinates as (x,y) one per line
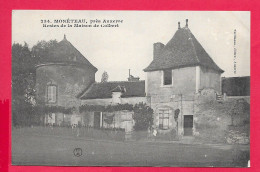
(96,119)
(188,125)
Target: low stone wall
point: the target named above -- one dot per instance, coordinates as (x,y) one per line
(235,137)
(212,120)
(246,98)
(238,134)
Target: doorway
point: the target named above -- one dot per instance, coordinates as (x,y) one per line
(188,125)
(97,119)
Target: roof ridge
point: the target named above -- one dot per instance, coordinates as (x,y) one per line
(182,50)
(84,58)
(216,67)
(129,89)
(189,32)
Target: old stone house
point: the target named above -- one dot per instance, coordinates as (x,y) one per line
(112,93)
(178,73)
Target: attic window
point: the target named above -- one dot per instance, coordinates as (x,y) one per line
(167,77)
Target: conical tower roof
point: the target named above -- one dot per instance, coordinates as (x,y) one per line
(183,50)
(65,53)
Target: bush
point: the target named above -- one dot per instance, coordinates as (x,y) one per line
(143,117)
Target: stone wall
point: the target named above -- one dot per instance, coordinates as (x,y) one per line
(121,119)
(212,120)
(185,103)
(234,98)
(210,79)
(234,136)
(183,79)
(70,81)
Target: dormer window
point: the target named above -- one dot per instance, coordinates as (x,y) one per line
(167,77)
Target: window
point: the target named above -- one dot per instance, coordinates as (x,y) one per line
(164,119)
(167,77)
(51,93)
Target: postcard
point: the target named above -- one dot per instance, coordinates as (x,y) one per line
(130,88)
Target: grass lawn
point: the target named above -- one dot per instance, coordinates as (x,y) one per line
(30,148)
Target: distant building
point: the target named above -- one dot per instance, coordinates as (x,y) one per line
(236,86)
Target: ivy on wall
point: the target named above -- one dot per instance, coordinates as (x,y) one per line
(54,109)
(143,117)
(32,115)
(109,108)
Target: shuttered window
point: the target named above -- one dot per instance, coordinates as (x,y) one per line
(51,93)
(164,119)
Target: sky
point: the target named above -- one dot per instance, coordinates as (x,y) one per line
(130,46)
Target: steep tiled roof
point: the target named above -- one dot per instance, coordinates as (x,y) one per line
(66,53)
(104,90)
(182,50)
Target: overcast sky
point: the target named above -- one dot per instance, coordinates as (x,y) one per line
(130,46)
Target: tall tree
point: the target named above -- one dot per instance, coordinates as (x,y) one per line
(23,78)
(23,72)
(104,77)
(41,52)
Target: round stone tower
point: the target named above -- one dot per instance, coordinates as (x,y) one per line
(61,78)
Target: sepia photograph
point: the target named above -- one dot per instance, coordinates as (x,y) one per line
(130,88)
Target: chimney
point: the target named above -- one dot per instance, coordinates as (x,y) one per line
(157,48)
(179,25)
(186,22)
(132,78)
(129,72)
(64,37)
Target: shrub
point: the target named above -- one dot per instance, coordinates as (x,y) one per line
(143,117)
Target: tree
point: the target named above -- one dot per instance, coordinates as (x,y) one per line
(41,52)
(143,117)
(23,79)
(23,82)
(104,77)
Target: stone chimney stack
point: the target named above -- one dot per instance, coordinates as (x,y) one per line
(157,48)
(179,25)
(187,22)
